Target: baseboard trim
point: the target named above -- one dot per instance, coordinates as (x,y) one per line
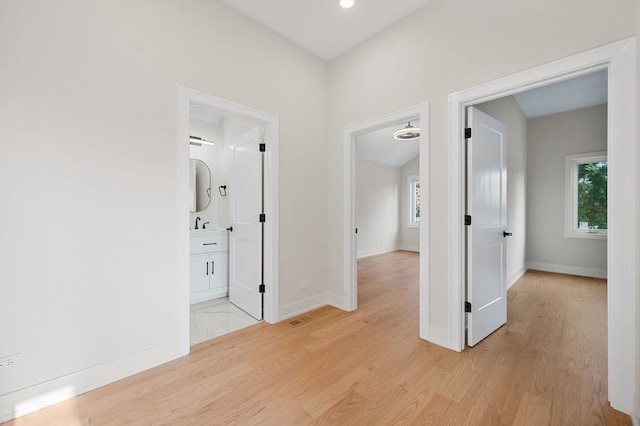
(570,270)
(336,301)
(36,397)
(375,251)
(383,250)
(302,306)
(406,247)
(513,278)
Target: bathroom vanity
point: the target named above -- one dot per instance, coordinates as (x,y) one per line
(209,261)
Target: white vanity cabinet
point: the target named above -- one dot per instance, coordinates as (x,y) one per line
(209,265)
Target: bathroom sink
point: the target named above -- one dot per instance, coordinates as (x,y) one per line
(204,231)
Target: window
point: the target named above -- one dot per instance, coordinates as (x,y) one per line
(586,195)
(414,201)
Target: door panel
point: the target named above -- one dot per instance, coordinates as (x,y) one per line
(487,206)
(245,251)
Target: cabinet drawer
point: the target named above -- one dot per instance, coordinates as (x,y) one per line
(209,243)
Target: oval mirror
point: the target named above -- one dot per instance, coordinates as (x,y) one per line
(200,185)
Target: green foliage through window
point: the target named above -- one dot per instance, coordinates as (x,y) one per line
(592,195)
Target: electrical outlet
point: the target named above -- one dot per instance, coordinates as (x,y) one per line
(9,361)
(304,285)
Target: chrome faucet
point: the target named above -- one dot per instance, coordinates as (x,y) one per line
(197,219)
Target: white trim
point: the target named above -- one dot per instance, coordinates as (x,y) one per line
(187,97)
(569,270)
(376,251)
(619,59)
(513,278)
(349,278)
(382,250)
(411,199)
(571,163)
(33,398)
(302,306)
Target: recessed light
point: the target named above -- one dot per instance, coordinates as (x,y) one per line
(346,4)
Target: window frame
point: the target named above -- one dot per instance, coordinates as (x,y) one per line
(411,181)
(571,163)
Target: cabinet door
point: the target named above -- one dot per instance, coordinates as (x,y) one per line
(200,272)
(219,268)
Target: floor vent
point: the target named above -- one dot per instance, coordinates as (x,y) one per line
(299,321)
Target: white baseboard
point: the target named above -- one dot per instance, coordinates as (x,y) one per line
(36,397)
(302,306)
(438,336)
(390,249)
(513,278)
(570,270)
(374,251)
(337,301)
(407,247)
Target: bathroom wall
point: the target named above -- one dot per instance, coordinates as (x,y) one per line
(211,156)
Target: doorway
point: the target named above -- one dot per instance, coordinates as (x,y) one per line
(421,112)
(619,61)
(267,278)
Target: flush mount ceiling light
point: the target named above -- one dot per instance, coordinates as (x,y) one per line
(407,134)
(198,141)
(346,4)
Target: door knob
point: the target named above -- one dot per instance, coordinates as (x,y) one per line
(506,234)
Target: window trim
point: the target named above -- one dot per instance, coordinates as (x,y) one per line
(411,180)
(571,163)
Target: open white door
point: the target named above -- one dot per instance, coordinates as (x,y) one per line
(245,238)
(487,222)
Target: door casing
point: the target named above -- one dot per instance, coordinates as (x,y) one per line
(619,59)
(349,300)
(187,97)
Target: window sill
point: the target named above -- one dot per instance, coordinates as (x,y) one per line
(587,235)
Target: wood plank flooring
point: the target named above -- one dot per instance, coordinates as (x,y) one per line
(548,365)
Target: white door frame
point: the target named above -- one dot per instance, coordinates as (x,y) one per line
(187,97)
(350,283)
(619,59)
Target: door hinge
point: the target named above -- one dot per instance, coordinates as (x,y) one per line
(467,307)
(263,147)
(467,133)
(261,288)
(467,219)
(263,218)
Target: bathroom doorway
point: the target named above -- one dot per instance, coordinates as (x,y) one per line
(210,253)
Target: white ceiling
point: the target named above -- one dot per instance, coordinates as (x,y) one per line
(568,95)
(379,146)
(322,26)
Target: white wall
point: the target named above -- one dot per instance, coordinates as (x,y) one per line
(508,111)
(378,188)
(451,48)
(636,398)
(550,139)
(409,237)
(211,156)
(89,177)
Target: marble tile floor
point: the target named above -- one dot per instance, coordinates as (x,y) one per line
(216,317)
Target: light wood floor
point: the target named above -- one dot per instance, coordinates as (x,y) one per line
(548,365)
